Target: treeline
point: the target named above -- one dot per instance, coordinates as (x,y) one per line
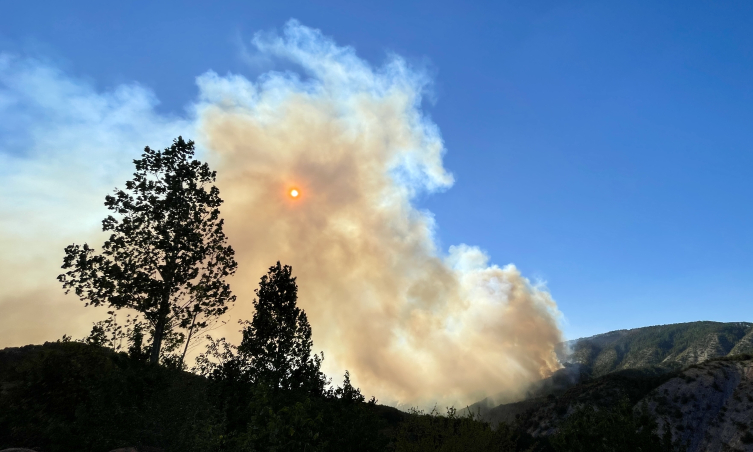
(71,396)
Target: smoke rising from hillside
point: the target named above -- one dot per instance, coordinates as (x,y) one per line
(409,323)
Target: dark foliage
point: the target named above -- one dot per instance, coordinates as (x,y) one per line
(428,432)
(614,429)
(69,396)
(293,420)
(272,387)
(167,256)
(276,345)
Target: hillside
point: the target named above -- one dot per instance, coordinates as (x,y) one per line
(72,396)
(696,379)
(665,346)
(707,406)
(654,350)
(541,415)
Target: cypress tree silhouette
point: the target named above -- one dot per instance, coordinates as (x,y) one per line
(277,342)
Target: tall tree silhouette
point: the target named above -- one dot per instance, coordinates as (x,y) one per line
(167,256)
(277,343)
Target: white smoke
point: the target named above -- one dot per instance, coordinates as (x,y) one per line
(63,147)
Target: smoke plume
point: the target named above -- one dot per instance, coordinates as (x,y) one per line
(413,323)
(410,323)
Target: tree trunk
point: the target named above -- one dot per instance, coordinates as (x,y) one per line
(188,339)
(159,329)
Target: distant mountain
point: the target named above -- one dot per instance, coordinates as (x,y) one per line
(653,349)
(707,406)
(665,346)
(695,378)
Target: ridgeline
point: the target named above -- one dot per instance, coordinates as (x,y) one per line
(660,388)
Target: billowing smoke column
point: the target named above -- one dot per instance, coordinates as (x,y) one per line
(411,324)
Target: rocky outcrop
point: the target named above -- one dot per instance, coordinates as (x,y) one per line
(709,407)
(744,345)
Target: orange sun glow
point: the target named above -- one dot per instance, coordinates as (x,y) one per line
(294,193)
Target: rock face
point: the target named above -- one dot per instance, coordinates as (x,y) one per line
(600,370)
(744,345)
(708,406)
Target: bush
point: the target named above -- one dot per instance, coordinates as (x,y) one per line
(616,429)
(71,396)
(429,432)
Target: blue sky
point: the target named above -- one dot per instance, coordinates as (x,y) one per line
(603,148)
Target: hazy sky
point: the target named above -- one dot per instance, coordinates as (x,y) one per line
(604,149)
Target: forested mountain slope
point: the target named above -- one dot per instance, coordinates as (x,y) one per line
(694,379)
(654,350)
(706,407)
(665,346)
